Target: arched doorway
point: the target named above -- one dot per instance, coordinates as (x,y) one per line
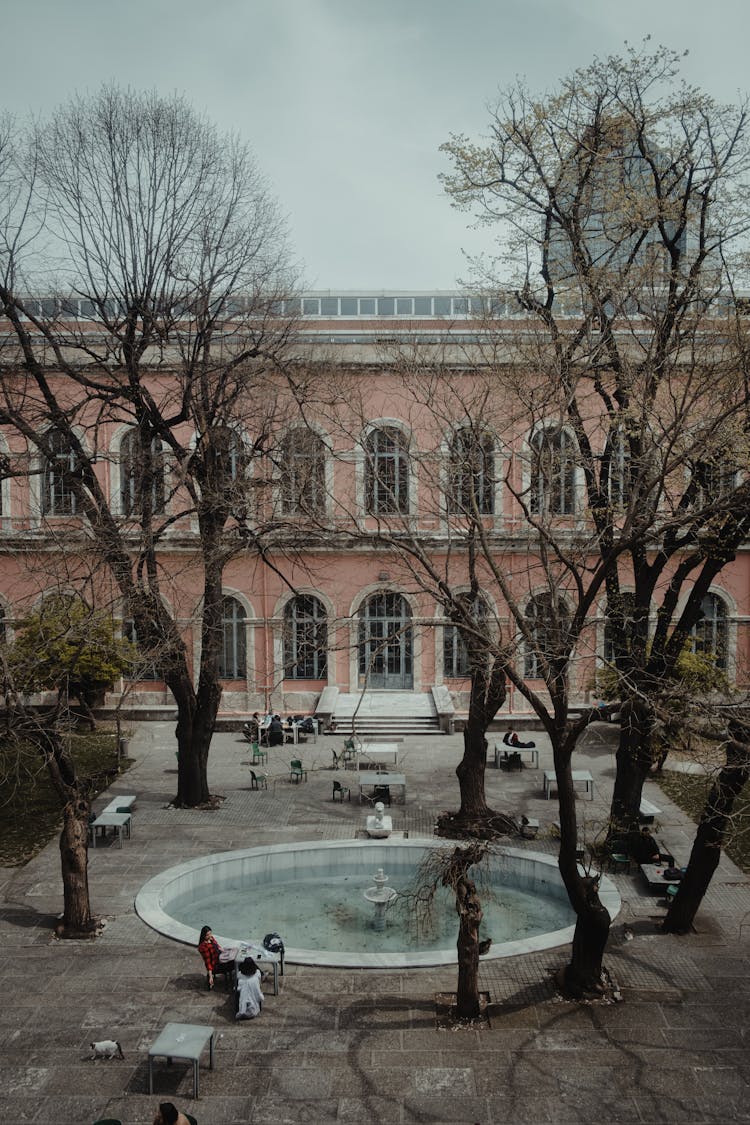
(385,643)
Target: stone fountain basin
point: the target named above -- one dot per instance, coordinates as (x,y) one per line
(531,871)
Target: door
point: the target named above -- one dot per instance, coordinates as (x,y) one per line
(385,645)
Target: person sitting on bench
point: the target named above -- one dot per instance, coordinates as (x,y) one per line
(510,738)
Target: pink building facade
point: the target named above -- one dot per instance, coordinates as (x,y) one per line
(344,609)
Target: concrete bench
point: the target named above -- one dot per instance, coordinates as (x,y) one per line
(647,811)
(123,803)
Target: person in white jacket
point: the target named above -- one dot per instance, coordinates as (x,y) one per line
(249,995)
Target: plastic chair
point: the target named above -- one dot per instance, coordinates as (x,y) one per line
(341,791)
(258,780)
(296,771)
(259,756)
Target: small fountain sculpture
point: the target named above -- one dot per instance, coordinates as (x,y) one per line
(381,896)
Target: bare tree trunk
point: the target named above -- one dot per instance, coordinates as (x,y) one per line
(582,975)
(78,919)
(634,760)
(709,839)
(470,916)
(475,817)
(469,910)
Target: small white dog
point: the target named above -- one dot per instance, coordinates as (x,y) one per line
(106,1049)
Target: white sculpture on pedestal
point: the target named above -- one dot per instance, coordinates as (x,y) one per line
(379,826)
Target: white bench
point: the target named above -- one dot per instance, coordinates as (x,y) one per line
(647,811)
(123,803)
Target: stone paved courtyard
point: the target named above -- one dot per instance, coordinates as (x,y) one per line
(362,1045)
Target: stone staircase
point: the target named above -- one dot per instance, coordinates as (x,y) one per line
(385,714)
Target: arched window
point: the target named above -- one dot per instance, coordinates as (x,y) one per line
(471,483)
(305,639)
(548,633)
(386,472)
(715,479)
(302,467)
(611,632)
(144,669)
(711,634)
(386,642)
(619,468)
(233,662)
(141,475)
(553,472)
(58,497)
(455,653)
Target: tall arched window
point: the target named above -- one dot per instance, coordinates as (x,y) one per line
(233,663)
(302,466)
(553,472)
(711,634)
(611,633)
(305,639)
(715,479)
(471,483)
(548,633)
(58,497)
(144,669)
(619,468)
(455,653)
(386,642)
(386,472)
(141,475)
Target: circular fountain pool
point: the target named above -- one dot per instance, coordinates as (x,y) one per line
(313,895)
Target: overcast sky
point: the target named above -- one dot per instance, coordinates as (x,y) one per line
(346,102)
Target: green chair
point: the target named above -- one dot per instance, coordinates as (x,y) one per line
(260,757)
(296,771)
(349,754)
(258,780)
(341,791)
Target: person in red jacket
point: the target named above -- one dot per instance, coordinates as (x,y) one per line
(211,952)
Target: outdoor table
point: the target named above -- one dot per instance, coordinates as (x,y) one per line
(262,957)
(116,820)
(521,750)
(182,1041)
(377,752)
(370,779)
(653,873)
(550,779)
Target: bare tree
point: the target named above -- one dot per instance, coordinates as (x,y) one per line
(625,190)
(167,261)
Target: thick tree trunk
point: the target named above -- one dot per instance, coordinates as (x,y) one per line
(475,817)
(470,916)
(582,975)
(78,920)
(709,839)
(469,910)
(470,773)
(633,760)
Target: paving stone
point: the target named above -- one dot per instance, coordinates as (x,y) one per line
(346,1045)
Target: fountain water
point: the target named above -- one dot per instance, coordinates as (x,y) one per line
(381,897)
(312,892)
